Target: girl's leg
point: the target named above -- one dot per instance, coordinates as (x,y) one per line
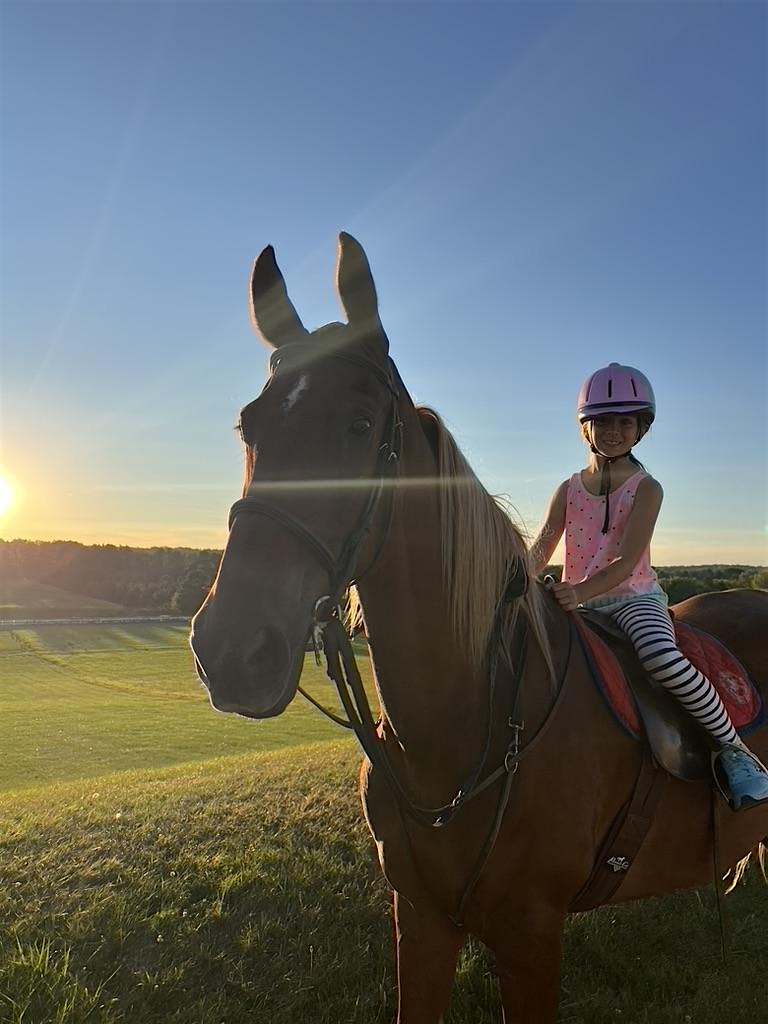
(650,629)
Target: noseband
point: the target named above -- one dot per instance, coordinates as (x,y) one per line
(339,567)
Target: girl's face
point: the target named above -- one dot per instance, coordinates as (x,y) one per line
(614,435)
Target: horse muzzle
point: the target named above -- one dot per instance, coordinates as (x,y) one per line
(255,678)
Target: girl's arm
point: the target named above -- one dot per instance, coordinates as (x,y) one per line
(549,535)
(637,537)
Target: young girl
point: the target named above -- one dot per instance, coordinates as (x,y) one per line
(608,512)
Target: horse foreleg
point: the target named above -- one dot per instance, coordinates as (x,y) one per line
(427,947)
(528,959)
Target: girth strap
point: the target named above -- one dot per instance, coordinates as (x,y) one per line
(624,838)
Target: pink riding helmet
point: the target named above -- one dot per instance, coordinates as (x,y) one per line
(615,389)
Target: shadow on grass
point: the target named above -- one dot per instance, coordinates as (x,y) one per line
(246,891)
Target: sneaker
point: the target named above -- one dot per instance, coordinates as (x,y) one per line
(745,777)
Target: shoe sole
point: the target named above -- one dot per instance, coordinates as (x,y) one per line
(746,802)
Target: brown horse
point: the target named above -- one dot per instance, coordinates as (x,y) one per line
(494,769)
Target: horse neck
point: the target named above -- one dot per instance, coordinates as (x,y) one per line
(429,692)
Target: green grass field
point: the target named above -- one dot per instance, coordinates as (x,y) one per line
(162,864)
(82,701)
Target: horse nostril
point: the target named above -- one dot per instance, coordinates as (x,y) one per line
(269,655)
(247,674)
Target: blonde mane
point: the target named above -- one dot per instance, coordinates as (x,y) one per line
(481,547)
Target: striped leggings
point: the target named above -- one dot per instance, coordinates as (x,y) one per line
(650,629)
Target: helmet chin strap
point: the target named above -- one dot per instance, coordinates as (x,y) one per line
(605,482)
(605,473)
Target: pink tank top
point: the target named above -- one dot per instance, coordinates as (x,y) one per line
(587,550)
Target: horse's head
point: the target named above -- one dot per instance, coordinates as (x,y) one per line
(320,440)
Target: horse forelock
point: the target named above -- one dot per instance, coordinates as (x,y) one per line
(328,340)
(335,340)
(328,334)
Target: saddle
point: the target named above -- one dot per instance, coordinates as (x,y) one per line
(674,742)
(642,706)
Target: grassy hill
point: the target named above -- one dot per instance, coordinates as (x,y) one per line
(163,864)
(244,890)
(83,701)
(205,893)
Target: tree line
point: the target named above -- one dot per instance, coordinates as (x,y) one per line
(156,579)
(177,579)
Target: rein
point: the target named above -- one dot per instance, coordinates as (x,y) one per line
(342,670)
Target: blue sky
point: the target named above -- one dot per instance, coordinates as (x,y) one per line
(541,188)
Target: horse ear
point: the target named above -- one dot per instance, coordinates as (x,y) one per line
(357,292)
(272,312)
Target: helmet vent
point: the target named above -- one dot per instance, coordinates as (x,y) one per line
(615,389)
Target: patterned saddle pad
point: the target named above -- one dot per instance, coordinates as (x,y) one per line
(729,677)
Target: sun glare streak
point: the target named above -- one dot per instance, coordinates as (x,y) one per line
(331,485)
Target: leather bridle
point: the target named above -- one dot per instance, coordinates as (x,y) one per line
(330,634)
(339,566)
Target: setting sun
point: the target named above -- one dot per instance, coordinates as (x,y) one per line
(6,495)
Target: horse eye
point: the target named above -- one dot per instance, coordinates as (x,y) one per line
(360,426)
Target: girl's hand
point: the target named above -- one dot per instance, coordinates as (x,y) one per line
(566,595)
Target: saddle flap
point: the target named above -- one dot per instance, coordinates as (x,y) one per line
(678,744)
